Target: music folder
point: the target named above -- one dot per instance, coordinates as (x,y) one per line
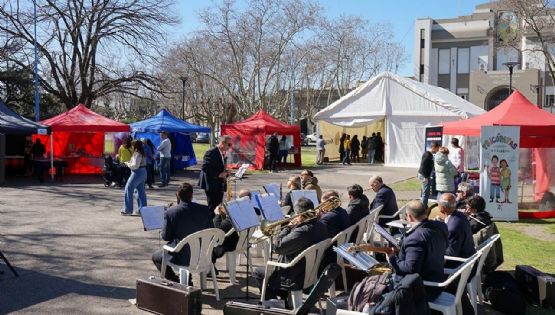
(241,171)
(361,260)
(242,214)
(153,217)
(386,235)
(310,194)
(269,206)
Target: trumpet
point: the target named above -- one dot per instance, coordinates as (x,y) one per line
(270,229)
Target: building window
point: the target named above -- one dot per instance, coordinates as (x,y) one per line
(549,101)
(444,64)
(421,69)
(463,60)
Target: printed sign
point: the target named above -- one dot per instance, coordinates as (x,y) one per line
(433,134)
(499,170)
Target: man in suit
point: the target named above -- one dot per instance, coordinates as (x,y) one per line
(384,196)
(423,248)
(358,204)
(290,242)
(337,219)
(181,220)
(460,242)
(213,174)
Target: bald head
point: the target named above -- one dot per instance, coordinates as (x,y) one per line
(375,182)
(329,194)
(447,203)
(416,210)
(244,193)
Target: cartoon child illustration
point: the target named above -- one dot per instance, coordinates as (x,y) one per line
(494,174)
(505,179)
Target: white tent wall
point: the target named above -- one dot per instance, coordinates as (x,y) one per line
(407,106)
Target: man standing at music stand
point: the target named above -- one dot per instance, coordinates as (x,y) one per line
(213,173)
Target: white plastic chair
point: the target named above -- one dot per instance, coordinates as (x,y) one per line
(448,303)
(201,244)
(400,212)
(474,286)
(366,230)
(313,257)
(242,247)
(340,239)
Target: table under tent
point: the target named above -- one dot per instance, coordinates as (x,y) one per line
(179,133)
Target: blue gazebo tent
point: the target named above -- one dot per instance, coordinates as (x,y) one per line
(179,132)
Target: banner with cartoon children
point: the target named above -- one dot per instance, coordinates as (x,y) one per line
(499,170)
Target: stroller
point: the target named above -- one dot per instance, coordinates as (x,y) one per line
(112,172)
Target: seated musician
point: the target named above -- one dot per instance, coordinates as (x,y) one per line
(335,220)
(294,183)
(223,221)
(464,192)
(181,220)
(309,182)
(476,212)
(423,248)
(384,196)
(294,238)
(358,204)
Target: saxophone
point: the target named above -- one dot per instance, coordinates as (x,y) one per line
(228,197)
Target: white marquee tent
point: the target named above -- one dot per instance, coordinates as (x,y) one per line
(404,107)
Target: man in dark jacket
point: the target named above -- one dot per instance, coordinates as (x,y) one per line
(213,173)
(478,217)
(423,248)
(461,243)
(335,220)
(384,196)
(273,151)
(358,204)
(425,172)
(290,242)
(180,221)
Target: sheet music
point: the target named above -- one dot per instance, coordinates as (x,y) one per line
(242,214)
(361,260)
(269,206)
(273,189)
(310,194)
(386,235)
(241,171)
(153,217)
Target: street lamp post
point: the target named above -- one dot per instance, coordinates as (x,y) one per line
(36,68)
(511,65)
(184,80)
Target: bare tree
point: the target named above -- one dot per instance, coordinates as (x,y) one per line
(536,27)
(89,48)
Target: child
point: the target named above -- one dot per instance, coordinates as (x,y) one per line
(494,174)
(505,179)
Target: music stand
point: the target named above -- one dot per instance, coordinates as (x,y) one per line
(239,175)
(8,264)
(310,194)
(243,217)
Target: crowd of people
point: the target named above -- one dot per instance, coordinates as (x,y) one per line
(370,149)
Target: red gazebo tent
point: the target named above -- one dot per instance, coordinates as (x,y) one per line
(78,137)
(537,130)
(249,139)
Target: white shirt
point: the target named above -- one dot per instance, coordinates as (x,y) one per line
(456,156)
(137,160)
(165,148)
(447,219)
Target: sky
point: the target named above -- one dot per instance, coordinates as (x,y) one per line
(398,13)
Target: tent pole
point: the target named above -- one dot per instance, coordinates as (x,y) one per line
(51,156)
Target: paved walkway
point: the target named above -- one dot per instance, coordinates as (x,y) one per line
(75,252)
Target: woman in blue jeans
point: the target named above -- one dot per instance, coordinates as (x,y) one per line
(137,164)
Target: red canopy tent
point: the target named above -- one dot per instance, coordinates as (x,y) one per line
(250,139)
(537,127)
(537,130)
(78,138)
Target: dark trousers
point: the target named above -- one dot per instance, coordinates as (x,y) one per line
(214,198)
(274,160)
(150,174)
(272,291)
(157,260)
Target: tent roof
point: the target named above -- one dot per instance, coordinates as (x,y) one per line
(12,123)
(82,119)
(388,94)
(536,125)
(165,121)
(262,121)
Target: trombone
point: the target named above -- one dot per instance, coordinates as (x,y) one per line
(270,229)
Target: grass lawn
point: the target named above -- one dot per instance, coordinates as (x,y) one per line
(411,184)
